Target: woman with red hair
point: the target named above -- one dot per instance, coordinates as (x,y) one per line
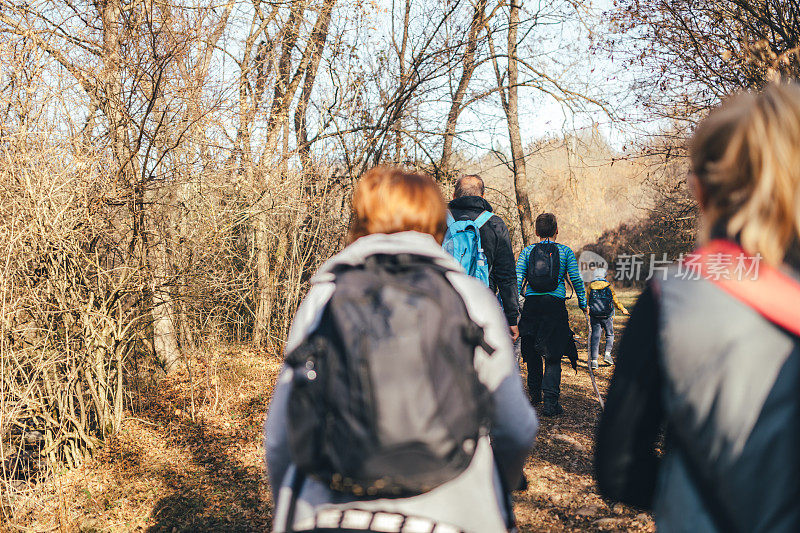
(400,406)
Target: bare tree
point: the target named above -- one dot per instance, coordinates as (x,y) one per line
(287,79)
(125,71)
(509,99)
(90,278)
(319,38)
(468,69)
(695,53)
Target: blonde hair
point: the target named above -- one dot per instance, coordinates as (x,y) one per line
(390,200)
(746,157)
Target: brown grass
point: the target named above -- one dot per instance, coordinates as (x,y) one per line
(173,467)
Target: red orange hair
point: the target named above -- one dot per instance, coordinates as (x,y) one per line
(391,200)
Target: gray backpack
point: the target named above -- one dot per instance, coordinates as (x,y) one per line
(385,399)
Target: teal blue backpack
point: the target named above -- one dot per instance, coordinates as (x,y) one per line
(463,241)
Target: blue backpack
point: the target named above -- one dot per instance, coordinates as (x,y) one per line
(463,241)
(601,302)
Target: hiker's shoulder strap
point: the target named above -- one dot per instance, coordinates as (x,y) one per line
(400,261)
(528,249)
(770,292)
(483,218)
(450,219)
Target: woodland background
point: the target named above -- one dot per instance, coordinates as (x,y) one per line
(173,172)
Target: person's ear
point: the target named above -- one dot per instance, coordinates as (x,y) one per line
(698,191)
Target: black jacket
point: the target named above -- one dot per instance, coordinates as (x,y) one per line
(496,244)
(546,320)
(722,382)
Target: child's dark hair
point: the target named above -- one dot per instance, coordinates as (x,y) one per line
(546,225)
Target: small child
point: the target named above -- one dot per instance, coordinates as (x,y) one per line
(602,300)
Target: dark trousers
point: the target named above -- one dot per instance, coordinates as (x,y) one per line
(544,374)
(544,328)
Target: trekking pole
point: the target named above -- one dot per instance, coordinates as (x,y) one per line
(589,361)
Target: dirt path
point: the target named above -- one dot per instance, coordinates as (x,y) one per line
(191,460)
(562,495)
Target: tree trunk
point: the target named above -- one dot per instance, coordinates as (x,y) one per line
(261,323)
(401,56)
(286,85)
(165,340)
(285,82)
(512,115)
(458,97)
(319,38)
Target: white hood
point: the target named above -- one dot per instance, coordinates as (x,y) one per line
(406,242)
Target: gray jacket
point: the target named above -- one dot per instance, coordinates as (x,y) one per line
(724,382)
(474,501)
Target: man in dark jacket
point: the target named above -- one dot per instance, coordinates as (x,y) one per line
(467,204)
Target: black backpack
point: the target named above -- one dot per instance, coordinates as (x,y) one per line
(601,302)
(386,401)
(544,267)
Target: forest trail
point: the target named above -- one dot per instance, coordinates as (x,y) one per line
(562,495)
(175,467)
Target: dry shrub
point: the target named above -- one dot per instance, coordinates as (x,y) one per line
(68,315)
(666,231)
(76,300)
(590,186)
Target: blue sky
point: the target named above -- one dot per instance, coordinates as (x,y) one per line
(561,47)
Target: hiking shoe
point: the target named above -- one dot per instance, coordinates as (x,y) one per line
(552,410)
(608,359)
(535,396)
(593,364)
